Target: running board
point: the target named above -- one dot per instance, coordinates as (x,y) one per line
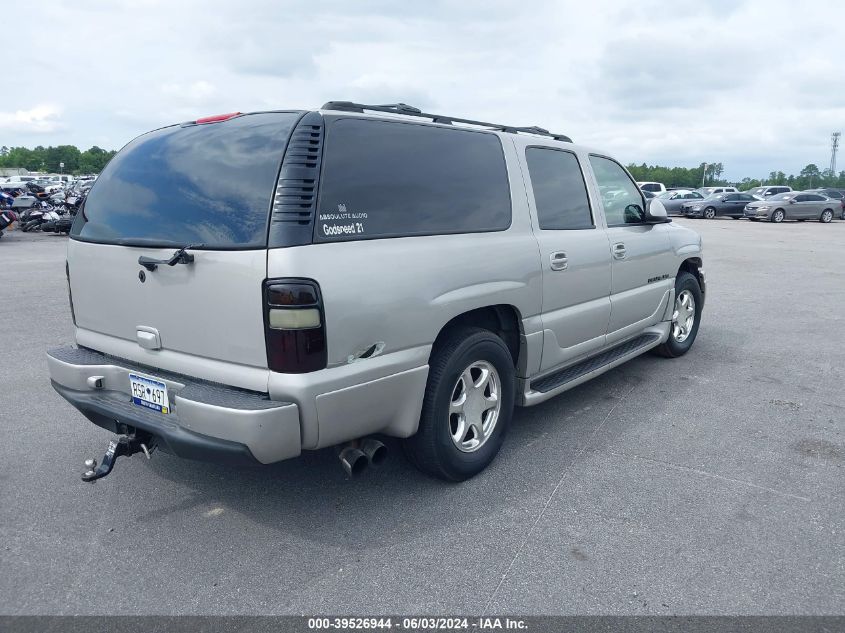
(594,363)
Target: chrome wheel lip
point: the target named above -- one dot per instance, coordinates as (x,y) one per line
(683,317)
(474,407)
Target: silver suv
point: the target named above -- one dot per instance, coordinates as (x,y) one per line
(245,287)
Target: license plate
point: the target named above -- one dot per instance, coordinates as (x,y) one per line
(149,393)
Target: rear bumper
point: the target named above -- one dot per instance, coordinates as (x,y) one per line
(208,422)
(214,422)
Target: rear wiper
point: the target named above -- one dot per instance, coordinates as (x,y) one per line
(179,257)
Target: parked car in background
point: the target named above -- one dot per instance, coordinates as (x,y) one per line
(674,200)
(654,187)
(801,205)
(726,204)
(835,194)
(710,191)
(16,183)
(765,192)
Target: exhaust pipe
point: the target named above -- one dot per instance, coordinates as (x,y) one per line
(375,451)
(353,460)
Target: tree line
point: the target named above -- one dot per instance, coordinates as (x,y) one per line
(50,159)
(711,174)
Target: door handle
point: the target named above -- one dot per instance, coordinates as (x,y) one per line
(619,251)
(558,261)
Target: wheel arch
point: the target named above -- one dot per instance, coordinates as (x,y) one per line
(503,320)
(693,266)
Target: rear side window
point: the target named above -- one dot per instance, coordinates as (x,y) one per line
(390,179)
(208,184)
(560,194)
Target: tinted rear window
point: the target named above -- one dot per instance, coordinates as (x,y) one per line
(390,179)
(206,184)
(559,190)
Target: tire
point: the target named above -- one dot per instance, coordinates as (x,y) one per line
(686,285)
(826,216)
(433,449)
(778,216)
(709,213)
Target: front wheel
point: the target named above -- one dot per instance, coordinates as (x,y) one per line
(778,216)
(685,317)
(709,213)
(827,216)
(467,407)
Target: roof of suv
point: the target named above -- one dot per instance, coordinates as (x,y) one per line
(403,109)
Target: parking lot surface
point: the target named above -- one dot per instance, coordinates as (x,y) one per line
(708,484)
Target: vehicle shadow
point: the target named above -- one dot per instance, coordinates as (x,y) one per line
(312,497)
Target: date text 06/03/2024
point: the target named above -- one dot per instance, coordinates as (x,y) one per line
(418,623)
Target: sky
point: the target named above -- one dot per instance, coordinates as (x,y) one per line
(757,85)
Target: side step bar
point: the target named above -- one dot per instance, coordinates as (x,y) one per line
(574,372)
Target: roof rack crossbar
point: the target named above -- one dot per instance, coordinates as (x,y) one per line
(405,109)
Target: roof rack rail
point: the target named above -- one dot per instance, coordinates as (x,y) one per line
(405,109)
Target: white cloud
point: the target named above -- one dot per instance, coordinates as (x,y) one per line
(39,120)
(751,83)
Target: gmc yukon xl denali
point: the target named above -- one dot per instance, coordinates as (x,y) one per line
(245,287)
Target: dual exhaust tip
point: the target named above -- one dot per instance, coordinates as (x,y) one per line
(357,456)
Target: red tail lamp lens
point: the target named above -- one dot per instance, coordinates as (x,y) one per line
(294,326)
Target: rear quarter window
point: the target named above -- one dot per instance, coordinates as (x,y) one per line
(391,179)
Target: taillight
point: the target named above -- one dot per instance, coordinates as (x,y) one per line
(69,293)
(294,326)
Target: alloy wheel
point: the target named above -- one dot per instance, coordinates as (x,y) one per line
(474,407)
(683,318)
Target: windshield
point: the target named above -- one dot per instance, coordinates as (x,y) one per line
(782,196)
(208,184)
(668,194)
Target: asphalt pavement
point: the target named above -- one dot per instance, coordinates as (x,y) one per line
(709,484)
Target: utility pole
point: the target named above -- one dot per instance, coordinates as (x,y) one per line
(834,147)
(703,174)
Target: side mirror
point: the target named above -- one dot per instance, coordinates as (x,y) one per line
(792,201)
(655,212)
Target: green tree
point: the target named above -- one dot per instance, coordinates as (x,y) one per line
(809,175)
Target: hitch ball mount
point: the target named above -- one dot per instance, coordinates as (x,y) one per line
(136,442)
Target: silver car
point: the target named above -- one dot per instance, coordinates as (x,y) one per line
(674,200)
(245,287)
(793,205)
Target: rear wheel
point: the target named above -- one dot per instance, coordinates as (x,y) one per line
(709,213)
(827,216)
(778,216)
(685,317)
(467,406)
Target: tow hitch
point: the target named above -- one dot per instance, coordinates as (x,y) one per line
(137,442)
